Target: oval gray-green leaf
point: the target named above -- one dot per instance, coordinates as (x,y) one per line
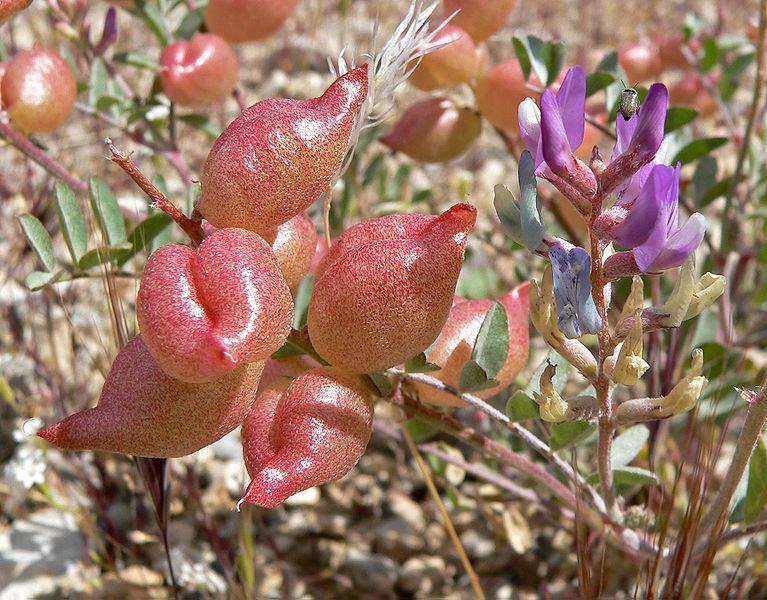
(39,240)
(72,221)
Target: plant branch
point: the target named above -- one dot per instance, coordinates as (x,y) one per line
(192,228)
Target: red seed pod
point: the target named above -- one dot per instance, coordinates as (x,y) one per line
(460,61)
(499,92)
(247,20)
(311,433)
(480,18)
(384,290)
(207,311)
(641,62)
(9,8)
(294,246)
(38,91)
(144,412)
(279,155)
(198,71)
(690,91)
(435,130)
(453,347)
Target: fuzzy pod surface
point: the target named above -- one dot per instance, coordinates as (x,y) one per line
(455,343)
(384,289)
(275,159)
(198,71)
(240,21)
(207,311)
(144,412)
(307,433)
(294,246)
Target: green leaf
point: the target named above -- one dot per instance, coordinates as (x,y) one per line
(739,64)
(704,178)
(698,148)
(598,81)
(546,58)
(521,408)
(138,60)
(144,234)
(100,256)
(756,496)
(507,210)
(523,56)
(709,55)
(570,433)
(37,280)
(420,430)
(419,364)
(530,205)
(107,212)
(72,222)
(190,24)
(634,476)
(382,383)
(98,81)
(628,444)
(679,116)
(154,19)
(492,345)
(301,302)
(39,240)
(202,123)
(474,378)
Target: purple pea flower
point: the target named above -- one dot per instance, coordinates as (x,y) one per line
(638,141)
(553,132)
(576,311)
(652,228)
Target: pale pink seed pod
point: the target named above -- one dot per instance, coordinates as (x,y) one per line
(312,433)
(460,61)
(240,21)
(294,246)
(641,62)
(144,412)
(480,18)
(499,92)
(434,130)
(38,91)
(198,71)
(384,290)
(453,347)
(207,311)
(8,8)
(279,155)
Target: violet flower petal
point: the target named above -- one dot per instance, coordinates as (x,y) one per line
(681,244)
(571,99)
(650,126)
(643,215)
(624,131)
(529,116)
(557,151)
(576,312)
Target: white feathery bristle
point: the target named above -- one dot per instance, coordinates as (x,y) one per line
(391,64)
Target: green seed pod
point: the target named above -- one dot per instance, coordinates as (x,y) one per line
(629,103)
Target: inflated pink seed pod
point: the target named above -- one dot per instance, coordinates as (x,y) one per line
(480,18)
(499,92)
(279,155)
(384,290)
(312,433)
(204,312)
(143,411)
(294,246)
(8,8)
(641,62)
(198,71)
(460,61)
(434,130)
(285,368)
(38,91)
(454,345)
(247,20)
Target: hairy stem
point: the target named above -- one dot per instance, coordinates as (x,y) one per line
(192,228)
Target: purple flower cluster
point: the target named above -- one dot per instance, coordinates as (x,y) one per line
(645,216)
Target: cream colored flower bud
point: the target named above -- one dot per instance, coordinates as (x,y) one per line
(687,391)
(630,365)
(679,301)
(707,289)
(552,406)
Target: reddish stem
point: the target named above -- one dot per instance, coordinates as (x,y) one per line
(192,228)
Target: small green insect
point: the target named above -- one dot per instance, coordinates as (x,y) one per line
(629,103)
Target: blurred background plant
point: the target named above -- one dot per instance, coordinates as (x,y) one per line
(84,523)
